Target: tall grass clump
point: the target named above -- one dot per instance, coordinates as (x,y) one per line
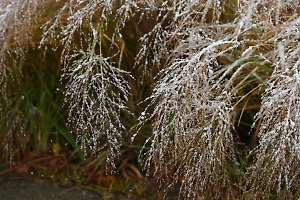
(216,61)
(276,168)
(17,23)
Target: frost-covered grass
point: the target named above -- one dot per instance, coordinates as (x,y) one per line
(207,63)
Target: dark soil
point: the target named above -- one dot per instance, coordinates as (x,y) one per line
(18,189)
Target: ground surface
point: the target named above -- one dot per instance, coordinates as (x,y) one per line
(24,189)
(17,189)
(14,186)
